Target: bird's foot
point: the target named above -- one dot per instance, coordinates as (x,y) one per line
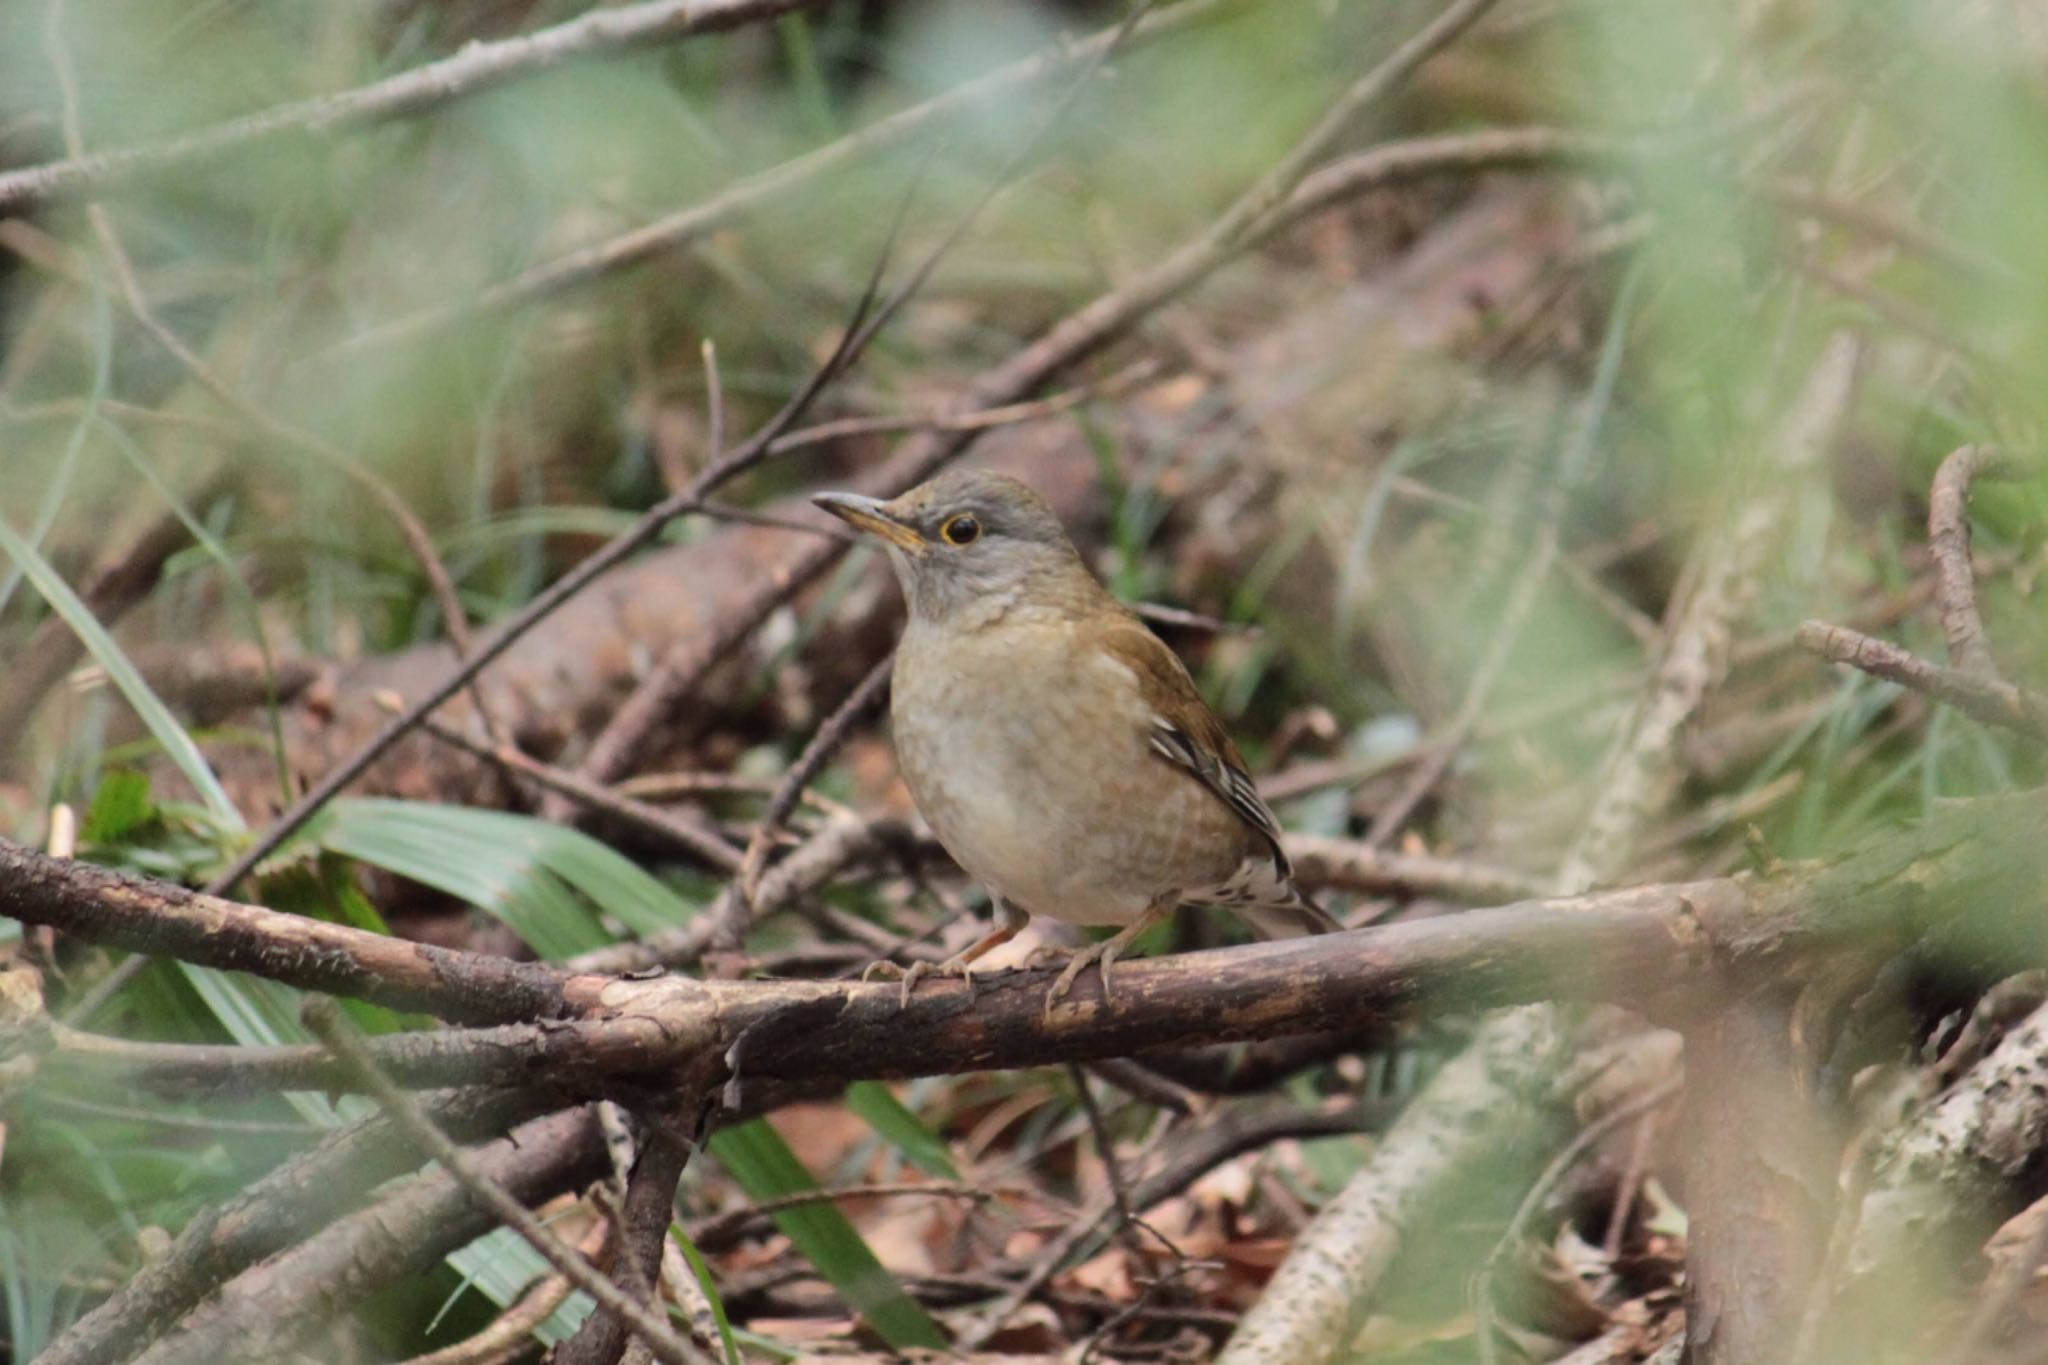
(918,971)
(1106,952)
(1077,962)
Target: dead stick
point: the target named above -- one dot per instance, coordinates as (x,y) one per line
(476,68)
(831,736)
(1991,700)
(1948,543)
(699,221)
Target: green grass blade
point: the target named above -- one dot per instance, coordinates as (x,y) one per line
(237,585)
(755,1155)
(177,745)
(901,1129)
(501,1265)
(705,1283)
(74,445)
(541,879)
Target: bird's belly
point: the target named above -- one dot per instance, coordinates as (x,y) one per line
(1057,809)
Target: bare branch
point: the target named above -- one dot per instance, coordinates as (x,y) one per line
(831,736)
(701,220)
(685,831)
(1948,542)
(1991,700)
(1646,947)
(163,919)
(476,68)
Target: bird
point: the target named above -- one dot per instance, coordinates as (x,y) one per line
(1056,747)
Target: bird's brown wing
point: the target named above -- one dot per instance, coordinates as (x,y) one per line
(1186,732)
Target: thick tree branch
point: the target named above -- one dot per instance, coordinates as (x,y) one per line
(644,1218)
(1484,1088)
(1647,947)
(1751,1264)
(1944,1179)
(166,920)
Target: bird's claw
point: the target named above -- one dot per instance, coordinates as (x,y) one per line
(916,972)
(1103,954)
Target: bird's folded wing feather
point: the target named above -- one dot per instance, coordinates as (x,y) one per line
(1186,732)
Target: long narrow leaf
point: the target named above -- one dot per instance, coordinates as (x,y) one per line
(756,1156)
(74,445)
(177,745)
(710,1288)
(541,879)
(501,1265)
(231,575)
(901,1129)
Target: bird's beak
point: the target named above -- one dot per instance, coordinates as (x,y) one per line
(871,515)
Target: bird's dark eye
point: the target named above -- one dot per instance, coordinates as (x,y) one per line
(961,530)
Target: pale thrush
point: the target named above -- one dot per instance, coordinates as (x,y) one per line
(1056,746)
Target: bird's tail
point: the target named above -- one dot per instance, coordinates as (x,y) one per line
(1295,917)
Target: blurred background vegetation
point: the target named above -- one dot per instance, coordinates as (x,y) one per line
(1449,445)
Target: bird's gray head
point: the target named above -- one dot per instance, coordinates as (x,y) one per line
(969,541)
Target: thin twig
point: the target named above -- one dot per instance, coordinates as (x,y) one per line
(1010,414)
(714,403)
(700,839)
(1048,1262)
(1991,700)
(121,582)
(698,221)
(510,1334)
(324,1018)
(726,1229)
(1575,462)
(1278,183)
(476,68)
(1808,200)
(1138,1306)
(1105,1146)
(844,840)
(1631,1187)
(1718,584)
(1353,865)
(838,727)
(1948,544)
(1141,1082)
